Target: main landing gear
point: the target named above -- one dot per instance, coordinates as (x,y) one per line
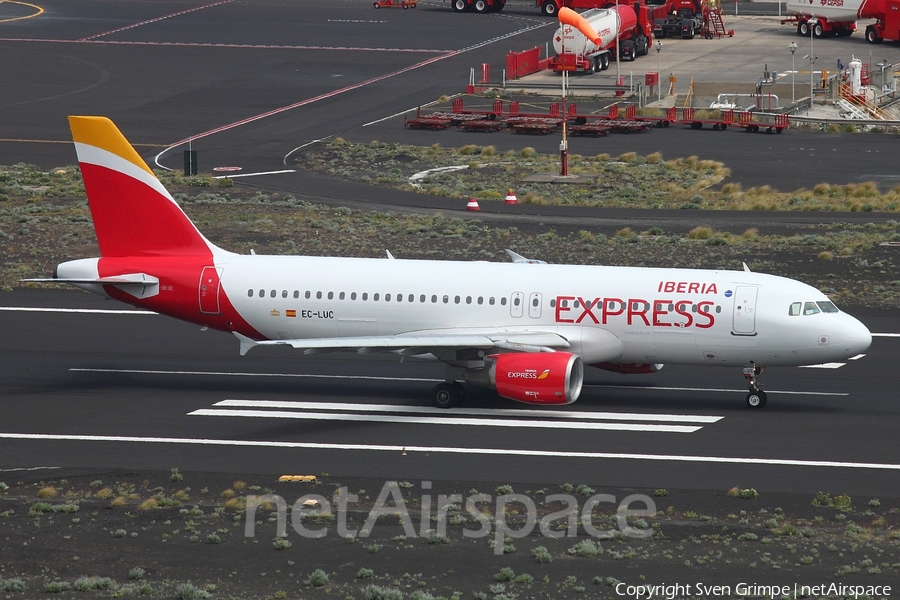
(448,394)
(756,398)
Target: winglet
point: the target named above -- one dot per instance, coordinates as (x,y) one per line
(247,344)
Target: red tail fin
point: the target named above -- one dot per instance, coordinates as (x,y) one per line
(133,213)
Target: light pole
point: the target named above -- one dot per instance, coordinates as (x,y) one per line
(658,73)
(812,59)
(793,48)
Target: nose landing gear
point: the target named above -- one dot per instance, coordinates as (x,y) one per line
(756,398)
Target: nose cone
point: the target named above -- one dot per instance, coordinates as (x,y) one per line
(856,337)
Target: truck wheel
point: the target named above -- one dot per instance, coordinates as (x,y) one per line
(803,28)
(604,62)
(817,30)
(872,35)
(549,8)
(460,5)
(481,6)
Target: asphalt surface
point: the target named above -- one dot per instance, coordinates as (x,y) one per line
(271,77)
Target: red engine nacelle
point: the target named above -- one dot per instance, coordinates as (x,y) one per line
(541,378)
(629,368)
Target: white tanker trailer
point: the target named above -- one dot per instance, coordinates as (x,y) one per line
(575,52)
(838,17)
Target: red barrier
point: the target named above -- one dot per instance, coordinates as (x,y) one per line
(520,64)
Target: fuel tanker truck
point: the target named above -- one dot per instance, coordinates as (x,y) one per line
(838,17)
(589,44)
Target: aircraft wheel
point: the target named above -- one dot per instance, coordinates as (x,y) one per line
(756,399)
(446,395)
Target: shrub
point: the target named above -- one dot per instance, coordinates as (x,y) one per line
(281,544)
(528,152)
(48,492)
(585,548)
(541,555)
(365,573)
(700,233)
(136,573)
(187,591)
(12,585)
(317,578)
(176,475)
(505,574)
(56,587)
(375,592)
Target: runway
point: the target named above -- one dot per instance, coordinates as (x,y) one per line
(99,386)
(91,386)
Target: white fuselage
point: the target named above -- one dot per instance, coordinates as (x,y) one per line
(677,316)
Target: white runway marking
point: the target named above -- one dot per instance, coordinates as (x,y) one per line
(479,412)
(19,469)
(744,460)
(427,380)
(443,420)
(93,311)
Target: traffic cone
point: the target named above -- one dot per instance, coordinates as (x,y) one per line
(511,198)
(473,204)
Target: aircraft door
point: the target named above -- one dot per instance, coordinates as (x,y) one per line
(210,282)
(745,310)
(516,302)
(534,305)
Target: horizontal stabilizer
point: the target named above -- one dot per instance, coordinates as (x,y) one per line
(129,279)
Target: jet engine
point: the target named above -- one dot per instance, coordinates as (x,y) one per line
(534,378)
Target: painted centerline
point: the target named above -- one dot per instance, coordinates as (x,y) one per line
(531,453)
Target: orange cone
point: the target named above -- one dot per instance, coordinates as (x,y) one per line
(511,198)
(473,204)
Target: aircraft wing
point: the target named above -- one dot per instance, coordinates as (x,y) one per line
(420,342)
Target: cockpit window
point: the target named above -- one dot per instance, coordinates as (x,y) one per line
(795,308)
(827,307)
(810,308)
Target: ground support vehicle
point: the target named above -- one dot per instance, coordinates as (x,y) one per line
(404,4)
(753,123)
(479,6)
(838,17)
(623,30)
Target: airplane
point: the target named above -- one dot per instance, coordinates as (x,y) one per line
(524,328)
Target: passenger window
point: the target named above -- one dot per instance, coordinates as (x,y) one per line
(503,301)
(421,298)
(262,293)
(827,307)
(331,295)
(341,296)
(296,294)
(272,293)
(718,309)
(365,296)
(353,295)
(375,297)
(399,297)
(795,309)
(387,298)
(412,298)
(810,308)
(249,293)
(318,295)
(434,298)
(480,300)
(456,299)
(468,299)
(446,299)
(307,294)
(284,293)
(535,302)
(491,301)
(517,301)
